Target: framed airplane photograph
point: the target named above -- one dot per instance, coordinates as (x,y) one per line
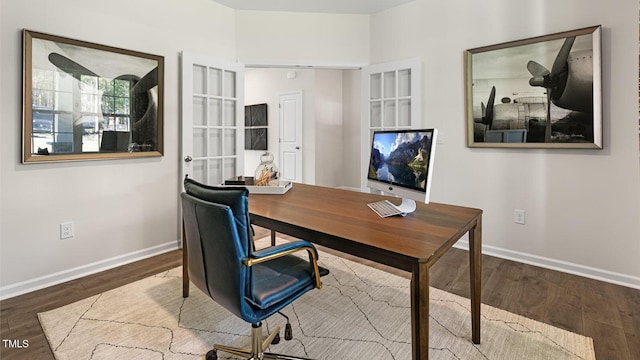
(542,92)
(86,101)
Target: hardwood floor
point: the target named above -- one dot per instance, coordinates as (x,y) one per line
(608,313)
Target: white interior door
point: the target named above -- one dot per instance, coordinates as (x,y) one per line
(212,118)
(290,108)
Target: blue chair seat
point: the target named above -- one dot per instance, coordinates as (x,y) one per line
(279,280)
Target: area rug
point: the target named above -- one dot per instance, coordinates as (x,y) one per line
(360,313)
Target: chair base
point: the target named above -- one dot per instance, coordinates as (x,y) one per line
(257,348)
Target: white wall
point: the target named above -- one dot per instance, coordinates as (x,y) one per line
(322,150)
(351,117)
(329,128)
(325,40)
(264,37)
(122,209)
(265,86)
(582,206)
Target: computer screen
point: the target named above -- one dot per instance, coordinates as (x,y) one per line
(401,163)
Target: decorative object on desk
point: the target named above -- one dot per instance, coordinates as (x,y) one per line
(240,180)
(363,314)
(85,101)
(550,88)
(267,172)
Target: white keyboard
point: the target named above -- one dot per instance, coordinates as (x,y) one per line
(384,208)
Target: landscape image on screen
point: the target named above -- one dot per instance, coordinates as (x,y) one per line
(401,158)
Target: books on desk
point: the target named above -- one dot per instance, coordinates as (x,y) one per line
(281,187)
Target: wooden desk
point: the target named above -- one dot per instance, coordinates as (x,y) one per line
(341,220)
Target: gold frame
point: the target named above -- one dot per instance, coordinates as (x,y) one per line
(113,63)
(505,70)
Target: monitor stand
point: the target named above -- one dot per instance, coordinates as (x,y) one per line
(407,206)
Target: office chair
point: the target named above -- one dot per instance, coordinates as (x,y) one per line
(222,263)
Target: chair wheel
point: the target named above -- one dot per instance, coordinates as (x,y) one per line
(288,333)
(211,355)
(276,339)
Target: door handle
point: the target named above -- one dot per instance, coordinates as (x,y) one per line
(187,158)
(297,147)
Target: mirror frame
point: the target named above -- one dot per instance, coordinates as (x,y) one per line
(108,60)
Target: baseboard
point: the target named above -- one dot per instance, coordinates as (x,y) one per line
(558,265)
(84,270)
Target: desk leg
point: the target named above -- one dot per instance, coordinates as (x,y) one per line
(475,267)
(185,266)
(273,238)
(420,312)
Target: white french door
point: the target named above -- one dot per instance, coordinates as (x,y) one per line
(212,115)
(391,100)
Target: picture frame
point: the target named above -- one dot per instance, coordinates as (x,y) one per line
(256,127)
(508,87)
(86,101)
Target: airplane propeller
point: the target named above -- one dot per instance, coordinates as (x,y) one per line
(76,70)
(142,121)
(69,66)
(554,81)
(147,82)
(487,111)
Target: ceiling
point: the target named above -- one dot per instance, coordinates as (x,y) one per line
(317,6)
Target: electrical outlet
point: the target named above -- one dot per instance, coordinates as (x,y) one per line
(66,230)
(518,216)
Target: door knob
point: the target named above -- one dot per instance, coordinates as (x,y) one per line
(187,158)
(297,147)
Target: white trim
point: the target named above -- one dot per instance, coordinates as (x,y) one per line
(42,282)
(294,65)
(559,265)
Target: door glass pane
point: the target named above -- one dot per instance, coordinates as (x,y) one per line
(215,142)
(215,172)
(389,84)
(376,86)
(229,168)
(376,114)
(229,113)
(229,142)
(404,82)
(389,116)
(199,142)
(215,112)
(199,79)
(199,115)
(215,82)
(404,112)
(199,168)
(230,84)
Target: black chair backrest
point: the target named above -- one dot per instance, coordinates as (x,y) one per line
(237,198)
(217,232)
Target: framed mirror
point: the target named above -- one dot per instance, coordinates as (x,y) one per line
(85,101)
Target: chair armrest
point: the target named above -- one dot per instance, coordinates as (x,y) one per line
(288,248)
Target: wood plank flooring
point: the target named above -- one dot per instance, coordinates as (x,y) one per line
(610,314)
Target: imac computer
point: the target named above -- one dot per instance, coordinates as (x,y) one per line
(401,164)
